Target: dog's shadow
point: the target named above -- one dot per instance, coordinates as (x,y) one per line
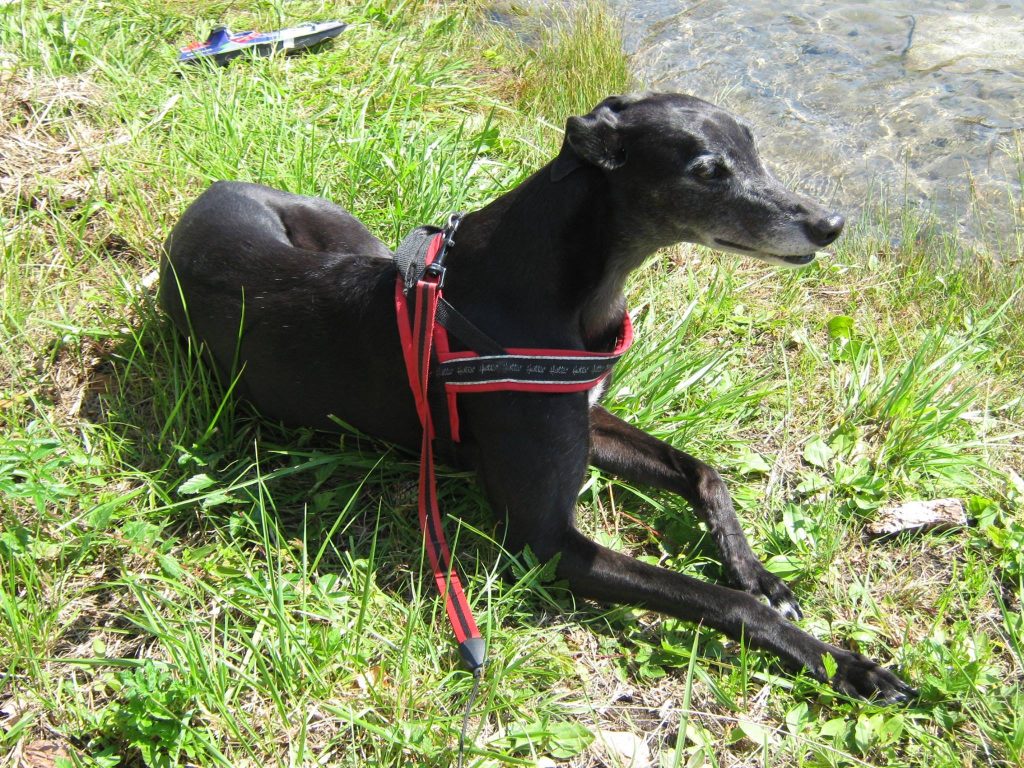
(211,460)
(218,469)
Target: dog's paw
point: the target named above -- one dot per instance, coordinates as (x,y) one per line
(767,586)
(860,677)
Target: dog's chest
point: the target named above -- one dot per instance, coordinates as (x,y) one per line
(597,392)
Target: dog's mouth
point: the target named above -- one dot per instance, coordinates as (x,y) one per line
(736,246)
(807,258)
(796,261)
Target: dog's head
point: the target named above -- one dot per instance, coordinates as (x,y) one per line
(682,169)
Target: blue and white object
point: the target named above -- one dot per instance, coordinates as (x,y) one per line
(223,45)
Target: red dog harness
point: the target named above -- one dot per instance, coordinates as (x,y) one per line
(424,321)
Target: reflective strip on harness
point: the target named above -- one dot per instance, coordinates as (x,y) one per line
(530,370)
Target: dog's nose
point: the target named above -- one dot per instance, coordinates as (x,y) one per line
(825,230)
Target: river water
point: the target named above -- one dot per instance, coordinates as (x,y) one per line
(890,101)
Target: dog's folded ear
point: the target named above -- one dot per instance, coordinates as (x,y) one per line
(593,138)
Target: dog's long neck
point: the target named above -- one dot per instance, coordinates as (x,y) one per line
(549,249)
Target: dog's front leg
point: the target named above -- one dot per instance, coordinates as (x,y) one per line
(603,574)
(633,455)
(532,463)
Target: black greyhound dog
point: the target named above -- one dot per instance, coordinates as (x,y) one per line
(295,297)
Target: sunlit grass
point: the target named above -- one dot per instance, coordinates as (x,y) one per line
(184,583)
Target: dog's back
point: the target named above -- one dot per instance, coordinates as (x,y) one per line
(257,275)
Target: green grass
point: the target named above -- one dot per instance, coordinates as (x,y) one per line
(183,583)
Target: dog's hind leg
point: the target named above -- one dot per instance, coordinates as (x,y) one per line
(633,455)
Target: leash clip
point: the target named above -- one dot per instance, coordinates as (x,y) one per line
(437,270)
(454,220)
(436,267)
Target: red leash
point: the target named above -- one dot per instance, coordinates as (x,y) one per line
(416,347)
(486,367)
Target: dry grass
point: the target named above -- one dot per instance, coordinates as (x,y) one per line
(49,148)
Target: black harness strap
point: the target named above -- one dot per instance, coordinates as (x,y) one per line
(411,256)
(457,324)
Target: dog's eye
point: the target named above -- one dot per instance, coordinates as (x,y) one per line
(709,168)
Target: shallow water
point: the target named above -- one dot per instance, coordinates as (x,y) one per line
(924,100)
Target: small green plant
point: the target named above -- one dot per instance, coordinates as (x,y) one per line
(152,714)
(561,740)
